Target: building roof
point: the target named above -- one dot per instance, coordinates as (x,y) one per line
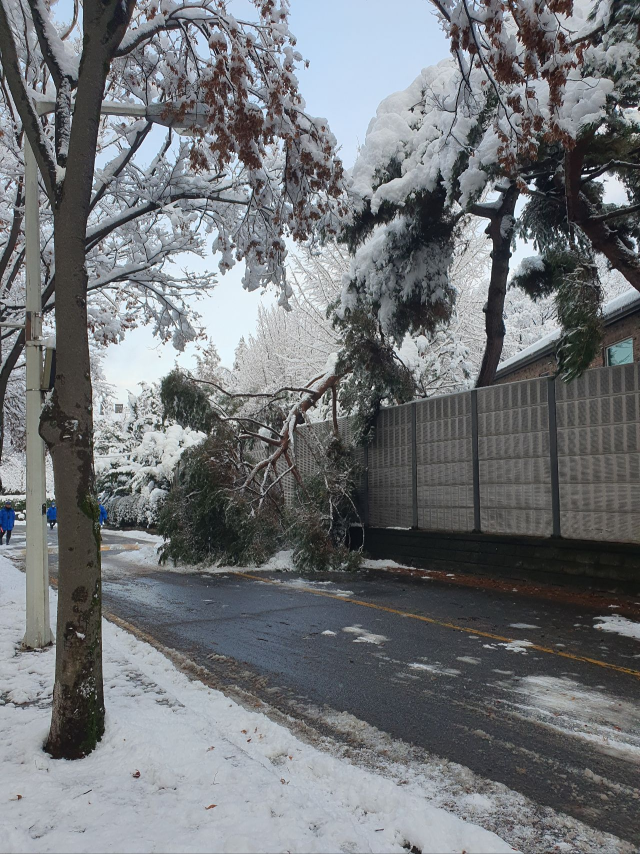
(616,309)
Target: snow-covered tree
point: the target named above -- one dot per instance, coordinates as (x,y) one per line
(561,91)
(255,151)
(288,348)
(530,113)
(137,228)
(136,458)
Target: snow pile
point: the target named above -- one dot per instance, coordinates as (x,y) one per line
(181,767)
(619,625)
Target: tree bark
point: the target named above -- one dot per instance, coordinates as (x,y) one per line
(77,721)
(500,230)
(584,214)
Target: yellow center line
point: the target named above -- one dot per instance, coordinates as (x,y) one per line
(446,625)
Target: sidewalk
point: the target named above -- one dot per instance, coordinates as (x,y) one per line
(183,768)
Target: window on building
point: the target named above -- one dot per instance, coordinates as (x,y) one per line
(620,353)
(119,407)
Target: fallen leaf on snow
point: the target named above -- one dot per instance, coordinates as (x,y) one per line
(17,798)
(136,774)
(211,806)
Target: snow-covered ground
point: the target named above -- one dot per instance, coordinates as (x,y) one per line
(183,768)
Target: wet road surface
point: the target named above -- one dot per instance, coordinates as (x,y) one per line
(524,692)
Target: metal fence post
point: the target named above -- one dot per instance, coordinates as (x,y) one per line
(414,464)
(475,460)
(365,488)
(553,457)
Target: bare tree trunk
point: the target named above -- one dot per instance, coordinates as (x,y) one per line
(77,721)
(500,230)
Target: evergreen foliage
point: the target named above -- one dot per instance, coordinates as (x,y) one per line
(402,255)
(186,402)
(542,277)
(324,511)
(375,375)
(204,517)
(579,307)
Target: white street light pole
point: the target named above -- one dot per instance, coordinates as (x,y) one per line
(38,633)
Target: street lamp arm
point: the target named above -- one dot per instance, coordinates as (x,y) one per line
(41,146)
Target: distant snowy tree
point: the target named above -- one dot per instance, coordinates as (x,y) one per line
(291,347)
(207,361)
(135,458)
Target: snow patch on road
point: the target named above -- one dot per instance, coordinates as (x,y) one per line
(517,646)
(147,557)
(182,767)
(436,668)
(305,584)
(364,636)
(608,722)
(329,633)
(468,659)
(137,535)
(522,626)
(619,625)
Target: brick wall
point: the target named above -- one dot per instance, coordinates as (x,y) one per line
(627,327)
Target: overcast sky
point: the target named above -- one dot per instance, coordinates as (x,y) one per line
(360,51)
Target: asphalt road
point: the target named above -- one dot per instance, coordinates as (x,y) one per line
(430,662)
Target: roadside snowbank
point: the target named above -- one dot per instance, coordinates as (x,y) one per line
(183,768)
(147,555)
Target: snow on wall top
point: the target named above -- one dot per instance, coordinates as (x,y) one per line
(609,312)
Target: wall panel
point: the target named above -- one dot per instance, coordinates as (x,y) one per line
(599,455)
(513,449)
(444,463)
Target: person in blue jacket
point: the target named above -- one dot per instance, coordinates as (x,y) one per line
(103,514)
(7,521)
(52,515)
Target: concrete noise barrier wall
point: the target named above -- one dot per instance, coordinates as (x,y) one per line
(536,458)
